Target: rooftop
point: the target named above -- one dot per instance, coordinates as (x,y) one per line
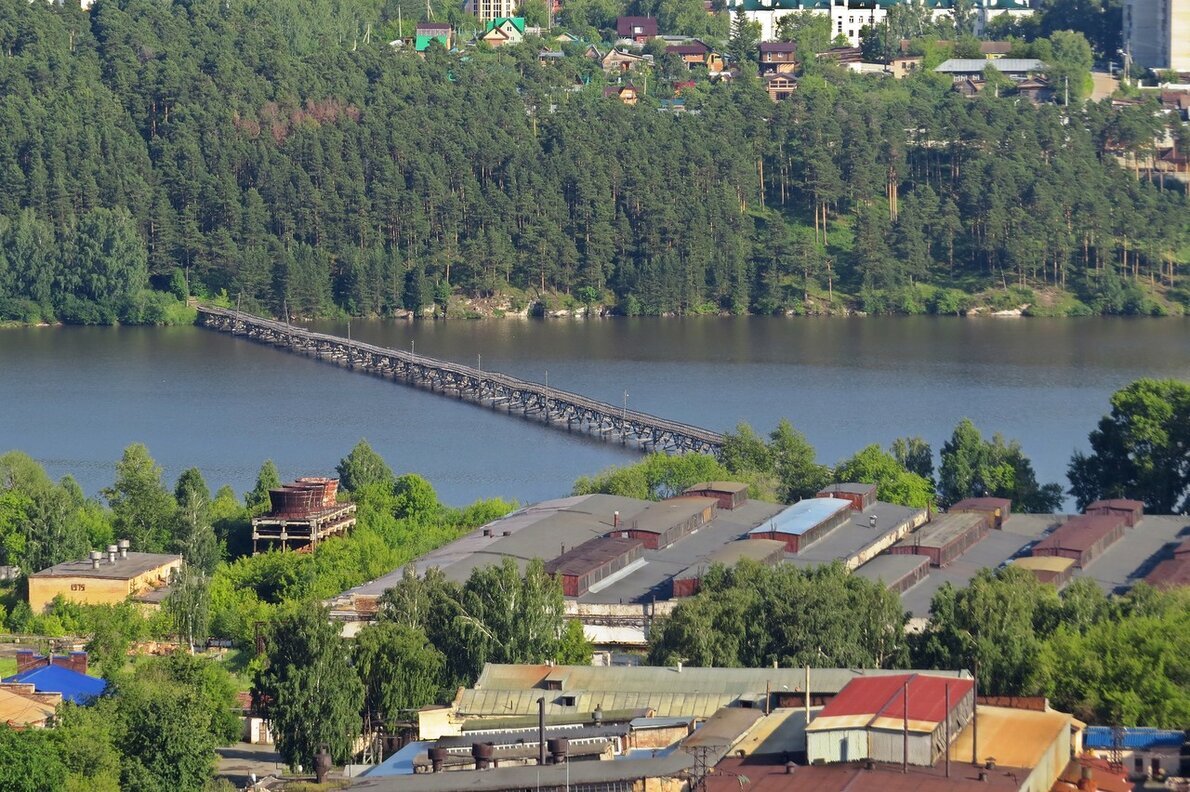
(982,503)
(1044,563)
(943,530)
(18,710)
(1014,539)
(1016,737)
(855,777)
(803,515)
(591,555)
(977,65)
(74,687)
(880,702)
(891,568)
(135,565)
(732,553)
(718,486)
(1081,533)
(856,535)
(661,516)
(1139,552)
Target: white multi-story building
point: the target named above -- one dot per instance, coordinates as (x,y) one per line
(850,17)
(1157,33)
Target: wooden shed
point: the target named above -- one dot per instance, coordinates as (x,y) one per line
(659,525)
(729,494)
(582,567)
(804,523)
(766,552)
(1131,510)
(999,509)
(1048,569)
(946,538)
(1082,539)
(862,496)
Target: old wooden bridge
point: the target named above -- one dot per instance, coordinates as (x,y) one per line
(556,408)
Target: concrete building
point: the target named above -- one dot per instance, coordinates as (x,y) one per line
(103,579)
(302,514)
(1157,33)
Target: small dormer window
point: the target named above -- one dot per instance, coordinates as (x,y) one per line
(568,700)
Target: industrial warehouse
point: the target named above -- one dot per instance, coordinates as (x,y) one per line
(789,729)
(622,562)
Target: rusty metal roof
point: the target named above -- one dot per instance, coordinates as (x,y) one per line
(1080,533)
(944,529)
(718,486)
(1170,573)
(591,555)
(982,504)
(855,777)
(1018,738)
(660,517)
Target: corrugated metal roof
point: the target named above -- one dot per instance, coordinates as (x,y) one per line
(75,687)
(1136,738)
(732,553)
(591,554)
(1170,573)
(880,701)
(977,65)
(803,516)
(1080,533)
(724,728)
(944,529)
(852,488)
(982,503)
(891,568)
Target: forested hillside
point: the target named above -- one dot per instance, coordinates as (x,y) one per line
(285,153)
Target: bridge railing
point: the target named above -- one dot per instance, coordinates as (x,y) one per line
(655,422)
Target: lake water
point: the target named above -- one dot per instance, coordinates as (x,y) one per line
(74,397)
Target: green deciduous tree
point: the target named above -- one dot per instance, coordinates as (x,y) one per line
(894,483)
(1140,450)
(400,670)
(363,467)
(142,509)
(972,466)
(257,499)
(308,689)
(30,761)
(798,473)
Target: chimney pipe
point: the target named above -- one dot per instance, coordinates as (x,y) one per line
(975,714)
(679,666)
(96,557)
(124,545)
(541,730)
(615,519)
(946,702)
(905,729)
(111,553)
(806,695)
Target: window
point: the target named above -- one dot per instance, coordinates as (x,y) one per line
(567,701)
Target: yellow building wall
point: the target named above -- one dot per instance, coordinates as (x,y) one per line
(94,591)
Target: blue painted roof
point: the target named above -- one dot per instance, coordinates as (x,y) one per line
(803,515)
(75,687)
(1136,738)
(400,763)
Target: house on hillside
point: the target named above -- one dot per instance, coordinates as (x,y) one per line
(1036,89)
(618,62)
(695,53)
(779,85)
(778,57)
(426,32)
(902,66)
(627,94)
(504,30)
(635,28)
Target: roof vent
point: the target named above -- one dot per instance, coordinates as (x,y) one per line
(96,557)
(111,553)
(124,545)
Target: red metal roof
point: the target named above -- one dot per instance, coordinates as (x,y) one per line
(1080,533)
(1171,573)
(982,503)
(883,696)
(1116,503)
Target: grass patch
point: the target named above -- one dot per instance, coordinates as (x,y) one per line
(8,666)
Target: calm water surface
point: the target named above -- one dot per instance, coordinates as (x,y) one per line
(74,397)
